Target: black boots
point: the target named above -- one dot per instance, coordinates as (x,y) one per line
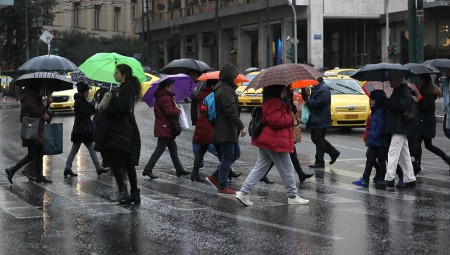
(232,174)
(68,172)
(149,174)
(266,180)
(135,197)
(303,176)
(43,179)
(102,171)
(10,173)
(123,196)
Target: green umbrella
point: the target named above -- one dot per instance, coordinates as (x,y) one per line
(101,67)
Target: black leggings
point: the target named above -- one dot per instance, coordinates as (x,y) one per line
(429,146)
(119,164)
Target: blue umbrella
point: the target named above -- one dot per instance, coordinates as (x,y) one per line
(182,88)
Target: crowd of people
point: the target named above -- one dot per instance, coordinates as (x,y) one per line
(392,136)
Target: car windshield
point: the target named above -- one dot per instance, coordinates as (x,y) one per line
(250,77)
(344,86)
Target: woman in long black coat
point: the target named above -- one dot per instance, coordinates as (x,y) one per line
(83,129)
(427,110)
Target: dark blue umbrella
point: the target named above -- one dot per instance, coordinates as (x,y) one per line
(380,72)
(48,63)
(422,68)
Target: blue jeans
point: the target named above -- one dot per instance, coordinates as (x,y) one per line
(211,149)
(230,153)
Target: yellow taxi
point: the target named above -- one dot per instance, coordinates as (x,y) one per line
(63,101)
(249,98)
(146,84)
(349,104)
(342,73)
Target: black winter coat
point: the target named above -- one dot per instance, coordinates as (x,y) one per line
(117,129)
(396,106)
(427,108)
(319,106)
(83,128)
(228,124)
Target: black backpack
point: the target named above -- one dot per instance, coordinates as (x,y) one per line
(255,127)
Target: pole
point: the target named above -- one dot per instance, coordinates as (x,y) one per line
(149,34)
(294,29)
(419,36)
(268,53)
(216,35)
(142,34)
(27,47)
(386,11)
(412,30)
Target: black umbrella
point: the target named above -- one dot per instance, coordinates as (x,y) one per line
(186,65)
(48,63)
(51,81)
(422,68)
(440,63)
(380,72)
(78,76)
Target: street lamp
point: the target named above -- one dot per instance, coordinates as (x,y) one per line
(294,28)
(37,22)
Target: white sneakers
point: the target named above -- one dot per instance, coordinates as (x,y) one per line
(297,201)
(243,199)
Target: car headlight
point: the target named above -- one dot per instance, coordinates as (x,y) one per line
(239,93)
(72,98)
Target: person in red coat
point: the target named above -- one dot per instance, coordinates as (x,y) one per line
(165,112)
(275,142)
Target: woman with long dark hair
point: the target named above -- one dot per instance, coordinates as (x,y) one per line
(117,135)
(427,108)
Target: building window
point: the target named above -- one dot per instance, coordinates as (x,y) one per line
(76,15)
(133,10)
(116,18)
(97,9)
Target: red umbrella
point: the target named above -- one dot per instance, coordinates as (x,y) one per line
(386,87)
(215,76)
(286,74)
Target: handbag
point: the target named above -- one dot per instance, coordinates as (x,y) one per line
(297,129)
(305,114)
(53,139)
(411,113)
(30,128)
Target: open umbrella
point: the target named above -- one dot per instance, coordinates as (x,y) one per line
(182,88)
(380,72)
(51,81)
(386,87)
(78,76)
(186,65)
(422,68)
(48,63)
(215,76)
(285,74)
(101,67)
(440,63)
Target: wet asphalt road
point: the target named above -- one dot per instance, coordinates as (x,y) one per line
(177,216)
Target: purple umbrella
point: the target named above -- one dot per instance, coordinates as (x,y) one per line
(182,88)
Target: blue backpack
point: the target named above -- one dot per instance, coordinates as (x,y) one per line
(209,108)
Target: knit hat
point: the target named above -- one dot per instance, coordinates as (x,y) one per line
(82,87)
(379,96)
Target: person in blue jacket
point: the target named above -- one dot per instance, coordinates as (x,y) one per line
(375,140)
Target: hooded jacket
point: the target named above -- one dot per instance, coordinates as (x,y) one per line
(165,112)
(319,106)
(83,127)
(31,106)
(228,124)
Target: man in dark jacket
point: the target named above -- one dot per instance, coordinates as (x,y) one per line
(400,100)
(227,128)
(319,121)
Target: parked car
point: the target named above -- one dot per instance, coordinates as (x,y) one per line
(342,73)
(63,101)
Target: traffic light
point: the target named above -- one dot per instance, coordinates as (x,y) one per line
(391,52)
(290,54)
(394,46)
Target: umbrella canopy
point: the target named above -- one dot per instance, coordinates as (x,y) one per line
(380,72)
(48,63)
(422,68)
(101,67)
(440,63)
(78,76)
(51,81)
(215,76)
(386,87)
(182,88)
(186,65)
(285,74)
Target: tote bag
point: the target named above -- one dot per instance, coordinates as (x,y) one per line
(53,139)
(184,124)
(305,115)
